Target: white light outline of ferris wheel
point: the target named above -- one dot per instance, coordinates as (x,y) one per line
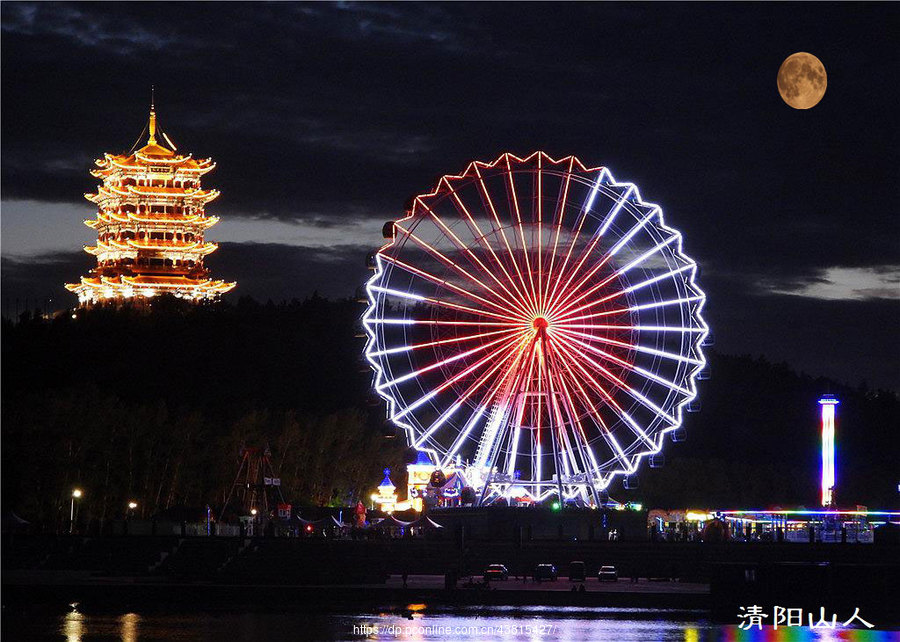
(590,480)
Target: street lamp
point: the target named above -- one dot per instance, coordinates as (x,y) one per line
(132,505)
(76,494)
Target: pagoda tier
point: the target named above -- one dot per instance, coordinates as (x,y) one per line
(150,224)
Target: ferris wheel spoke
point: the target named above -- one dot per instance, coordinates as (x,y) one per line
(557,220)
(489,397)
(564,313)
(605,432)
(637,227)
(614,211)
(462,355)
(634,308)
(429,344)
(438,302)
(582,217)
(484,242)
(621,385)
(512,299)
(624,386)
(566,454)
(500,228)
(595,239)
(671,385)
(525,246)
(492,435)
(540,242)
(617,273)
(449,382)
(517,424)
(558,386)
(515,438)
(580,432)
(444,283)
(642,328)
(637,347)
(391,321)
(502,302)
(628,419)
(462,399)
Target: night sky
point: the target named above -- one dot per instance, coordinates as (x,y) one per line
(324,119)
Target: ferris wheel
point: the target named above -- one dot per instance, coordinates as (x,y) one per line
(536,323)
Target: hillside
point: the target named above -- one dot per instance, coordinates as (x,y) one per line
(157,405)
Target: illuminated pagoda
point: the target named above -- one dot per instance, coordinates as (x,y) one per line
(150,224)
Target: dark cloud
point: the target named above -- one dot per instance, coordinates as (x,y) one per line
(849,340)
(282,272)
(262,270)
(333,113)
(39,281)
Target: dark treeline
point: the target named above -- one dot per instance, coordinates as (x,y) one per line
(155,407)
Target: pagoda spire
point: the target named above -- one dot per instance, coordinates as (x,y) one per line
(152,127)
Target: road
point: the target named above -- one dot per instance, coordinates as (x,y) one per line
(623,585)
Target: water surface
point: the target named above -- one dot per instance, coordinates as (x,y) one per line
(414,622)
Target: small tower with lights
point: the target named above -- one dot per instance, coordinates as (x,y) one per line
(150,226)
(828,404)
(386,497)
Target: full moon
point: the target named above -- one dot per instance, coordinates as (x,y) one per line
(802,80)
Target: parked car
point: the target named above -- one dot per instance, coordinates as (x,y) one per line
(607,574)
(576,572)
(496,572)
(545,572)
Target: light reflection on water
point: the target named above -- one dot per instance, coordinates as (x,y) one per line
(532,624)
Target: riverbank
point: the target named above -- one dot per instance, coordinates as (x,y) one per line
(321,574)
(91,590)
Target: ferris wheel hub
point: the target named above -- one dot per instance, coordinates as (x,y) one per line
(540,323)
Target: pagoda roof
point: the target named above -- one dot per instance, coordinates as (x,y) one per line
(153,153)
(169,191)
(141,160)
(151,281)
(111,191)
(197,220)
(155,149)
(146,280)
(195,247)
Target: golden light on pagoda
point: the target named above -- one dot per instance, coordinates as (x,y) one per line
(150,227)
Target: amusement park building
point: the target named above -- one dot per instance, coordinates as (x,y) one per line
(150,227)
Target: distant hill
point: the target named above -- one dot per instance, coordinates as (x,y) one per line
(158,405)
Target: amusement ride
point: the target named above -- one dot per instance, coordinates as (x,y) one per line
(536,325)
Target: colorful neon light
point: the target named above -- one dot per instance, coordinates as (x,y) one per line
(538,319)
(878,513)
(828,402)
